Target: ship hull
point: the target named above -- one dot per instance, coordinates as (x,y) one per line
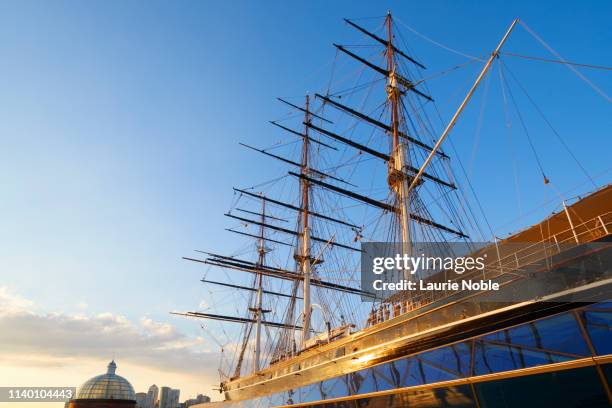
(563,358)
(564,348)
(369,365)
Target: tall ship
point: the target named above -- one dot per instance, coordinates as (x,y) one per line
(369,160)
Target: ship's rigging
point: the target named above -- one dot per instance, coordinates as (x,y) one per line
(420,200)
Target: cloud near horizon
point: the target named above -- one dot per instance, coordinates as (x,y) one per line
(30,337)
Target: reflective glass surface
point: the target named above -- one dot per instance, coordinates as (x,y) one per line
(550,340)
(106,386)
(579,387)
(598,322)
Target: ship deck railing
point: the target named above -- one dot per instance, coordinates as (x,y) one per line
(511,263)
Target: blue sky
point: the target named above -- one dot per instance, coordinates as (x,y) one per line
(119,124)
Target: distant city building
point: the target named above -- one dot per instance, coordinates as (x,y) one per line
(152,396)
(168,397)
(164,397)
(200,399)
(141,400)
(105,391)
(174,398)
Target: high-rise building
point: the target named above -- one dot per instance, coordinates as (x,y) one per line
(168,397)
(165,397)
(141,400)
(152,395)
(200,399)
(174,398)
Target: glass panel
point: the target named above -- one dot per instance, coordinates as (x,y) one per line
(557,333)
(409,372)
(311,392)
(412,372)
(493,358)
(545,341)
(599,325)
(386,376)
(363,381)
(447,397)
(278,399)
(434,374)
(356,382)
(336,387)
(455,359)
(580,387)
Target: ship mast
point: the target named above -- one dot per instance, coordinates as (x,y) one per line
(397,178)
(405,152)
(261,249)
(304,258)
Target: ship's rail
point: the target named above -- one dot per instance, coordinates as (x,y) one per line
(509,259)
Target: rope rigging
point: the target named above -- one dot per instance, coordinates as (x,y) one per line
(549,124)
(508,122)
(518,112)
(576,64)
(569,65)
(440,197)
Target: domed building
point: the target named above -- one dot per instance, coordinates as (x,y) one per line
(105,391)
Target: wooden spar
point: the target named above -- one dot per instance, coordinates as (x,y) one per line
(364,61)
(322,174)
(301,135)
(230,285)
(287,231)
(349,142)
(281,274)
(255,236)
(378,123)
(241,261)
(376,153)
(293,276)
(467,98)
(258,311)
(306,111)
(256,213)
(248,266)
(296,208)
(234,319)
(384,42)
(305,247)
(271,155)
(380,204)
(405,82)
(230,258)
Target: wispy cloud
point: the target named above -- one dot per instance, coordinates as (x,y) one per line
(51,337)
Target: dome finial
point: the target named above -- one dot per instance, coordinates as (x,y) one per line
(112,367)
